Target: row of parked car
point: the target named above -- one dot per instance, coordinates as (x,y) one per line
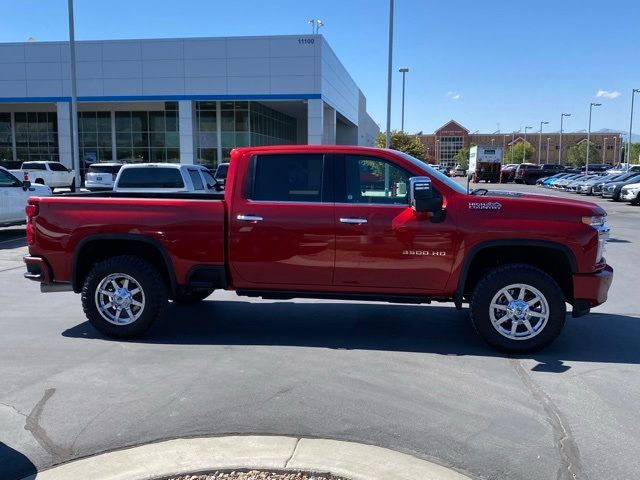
(530,173)
(615,185)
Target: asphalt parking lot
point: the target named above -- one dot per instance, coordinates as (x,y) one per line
(411,378)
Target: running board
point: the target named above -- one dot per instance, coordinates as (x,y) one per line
(360,297)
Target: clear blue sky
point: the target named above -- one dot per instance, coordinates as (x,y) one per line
(478,62)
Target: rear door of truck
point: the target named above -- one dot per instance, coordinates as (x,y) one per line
(281,223)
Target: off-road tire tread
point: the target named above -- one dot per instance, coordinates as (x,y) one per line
(155,292)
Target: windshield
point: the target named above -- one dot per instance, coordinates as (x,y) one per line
(452,184)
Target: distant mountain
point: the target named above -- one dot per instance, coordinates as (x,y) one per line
(634,136)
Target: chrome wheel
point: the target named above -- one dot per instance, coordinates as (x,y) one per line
(519,311)
(120,299)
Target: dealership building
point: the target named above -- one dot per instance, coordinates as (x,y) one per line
(187,100)
(446,142)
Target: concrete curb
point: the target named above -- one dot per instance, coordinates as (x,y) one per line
(182,456)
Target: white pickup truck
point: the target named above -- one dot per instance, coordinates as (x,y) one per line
(14,194)
(51,174)
(165,178)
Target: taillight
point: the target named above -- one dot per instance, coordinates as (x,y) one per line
(25,176)
(31,210)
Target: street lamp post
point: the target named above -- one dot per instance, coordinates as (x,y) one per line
(75,148)
(562,115)
(591,105)
(604,150)
(387,142)
(548,138)
(524,145)
(615,150)
(404,71)
(540,140)
(633,94)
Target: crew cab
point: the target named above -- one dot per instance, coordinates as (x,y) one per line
(44,172)
(14,194)
(329,222)
(165,178)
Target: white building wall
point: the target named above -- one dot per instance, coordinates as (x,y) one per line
(186,124)
(302,67)
(64,133)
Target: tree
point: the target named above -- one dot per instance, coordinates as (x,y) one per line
(403,142)
(462,158)
(577,155)
(514,155)
(635,154)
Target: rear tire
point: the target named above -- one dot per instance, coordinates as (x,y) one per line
(512,324)
(193,296)
(137,302)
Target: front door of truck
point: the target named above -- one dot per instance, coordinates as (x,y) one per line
(381,242)
(281,223)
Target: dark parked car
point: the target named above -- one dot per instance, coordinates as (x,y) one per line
(508,173)
(529,173)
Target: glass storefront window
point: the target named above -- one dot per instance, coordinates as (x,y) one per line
(36,136)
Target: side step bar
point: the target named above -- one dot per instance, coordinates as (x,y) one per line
(362,297)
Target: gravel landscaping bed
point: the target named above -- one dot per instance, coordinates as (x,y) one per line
(258,475)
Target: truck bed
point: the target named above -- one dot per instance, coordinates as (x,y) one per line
(187,229)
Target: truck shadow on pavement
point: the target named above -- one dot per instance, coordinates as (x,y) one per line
(397,328)
(13,464)
(12,237)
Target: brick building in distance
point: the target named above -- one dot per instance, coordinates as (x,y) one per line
(442,145)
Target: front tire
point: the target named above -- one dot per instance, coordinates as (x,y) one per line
(518,308)
(123,296)
(72,187)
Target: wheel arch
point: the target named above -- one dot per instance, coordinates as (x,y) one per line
(98,247)
(554,258)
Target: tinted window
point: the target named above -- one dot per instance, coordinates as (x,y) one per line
(288,178)
(33,166)
(104,168)
(196,180)
(221,171)
(372,180)
(208,178)
(8,180)
(151,177)
(57,167)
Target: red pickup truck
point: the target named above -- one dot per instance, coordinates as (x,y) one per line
(327,222)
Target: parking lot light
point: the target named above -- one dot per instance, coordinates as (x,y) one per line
(591,105)
(524,146)
(562,115)
(633,93)
(540,140)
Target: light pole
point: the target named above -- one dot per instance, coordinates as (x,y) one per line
(315,25)
(492,141)
(604,150)
(548,138)
(615,150)
(75,148)
(387,142)
(562,115)
(403,71)
(633,94)
(591,105)
(524,145)
(540,140)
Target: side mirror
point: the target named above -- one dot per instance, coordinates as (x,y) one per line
(421,196)
(26,185)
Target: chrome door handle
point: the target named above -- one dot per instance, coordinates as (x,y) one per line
(355,221)
(249,218)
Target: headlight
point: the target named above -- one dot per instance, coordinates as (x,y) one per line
(595,220)
(598,222)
